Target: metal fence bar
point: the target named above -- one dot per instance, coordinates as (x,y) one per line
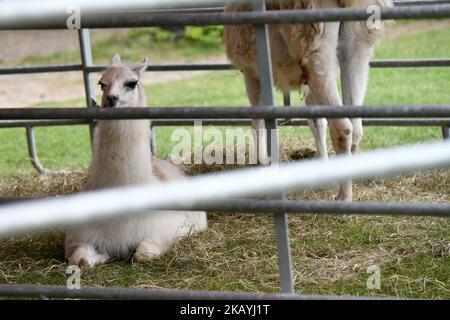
(406,63)
(230,122)
(177,67)
(264,61)
(258,206)
(32,151)
(263,112)
(37,291)
(400,3)
(328,207)
(411,63)
(41,123)
(218,9)
(86,62)
(228,113)
(46,18)
(388,63)
(446,131)
(41,69)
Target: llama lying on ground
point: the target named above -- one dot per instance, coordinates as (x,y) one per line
(121,157)
(308,56)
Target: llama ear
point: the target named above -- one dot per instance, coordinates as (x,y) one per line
(116,61)
(141,67)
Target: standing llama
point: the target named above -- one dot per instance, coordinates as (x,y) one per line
(122,157)
(307,56)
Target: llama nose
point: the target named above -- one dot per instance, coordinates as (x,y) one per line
(112,100)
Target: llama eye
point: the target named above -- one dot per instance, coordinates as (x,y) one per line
(131,85)
(102,86)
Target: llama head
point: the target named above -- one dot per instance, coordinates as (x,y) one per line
(120,84)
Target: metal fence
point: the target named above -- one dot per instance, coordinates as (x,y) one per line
(169,18)
(17,217)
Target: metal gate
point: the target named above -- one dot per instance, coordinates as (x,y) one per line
(17,217)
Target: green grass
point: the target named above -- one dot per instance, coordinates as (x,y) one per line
(238,252)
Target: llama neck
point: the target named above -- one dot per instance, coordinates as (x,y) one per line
(122,150)
(142,96)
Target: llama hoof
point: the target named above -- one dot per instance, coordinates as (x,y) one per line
(148,250)
(86,256)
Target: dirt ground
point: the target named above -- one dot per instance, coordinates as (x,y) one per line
(21,44)
(28,90)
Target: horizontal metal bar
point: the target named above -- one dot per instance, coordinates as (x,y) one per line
(144,199)
(419,3)
(229,122)
(40,123)
(155,294)
(100,68)
(220,8)
(406,122)
(399,111)
(397,3)
(186,10)
(269,17)
(304,122)
(175,67)
(413,63)
(41,69)
(55,17)
(309,207)
(328,207)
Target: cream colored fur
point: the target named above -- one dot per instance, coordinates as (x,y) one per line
(306,55)
(121,157)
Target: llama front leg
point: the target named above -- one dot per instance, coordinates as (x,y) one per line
(325,93)
(258,125)
(319,130)
(341,135)
(321,68)
(85,255)
(357,40)
(354,57)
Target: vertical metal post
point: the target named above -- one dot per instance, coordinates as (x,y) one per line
(86,61)
(287,103)
(266,89)
(32,152)
(445,132)
(287,99)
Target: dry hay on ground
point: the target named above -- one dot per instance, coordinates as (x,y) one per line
(238,252)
